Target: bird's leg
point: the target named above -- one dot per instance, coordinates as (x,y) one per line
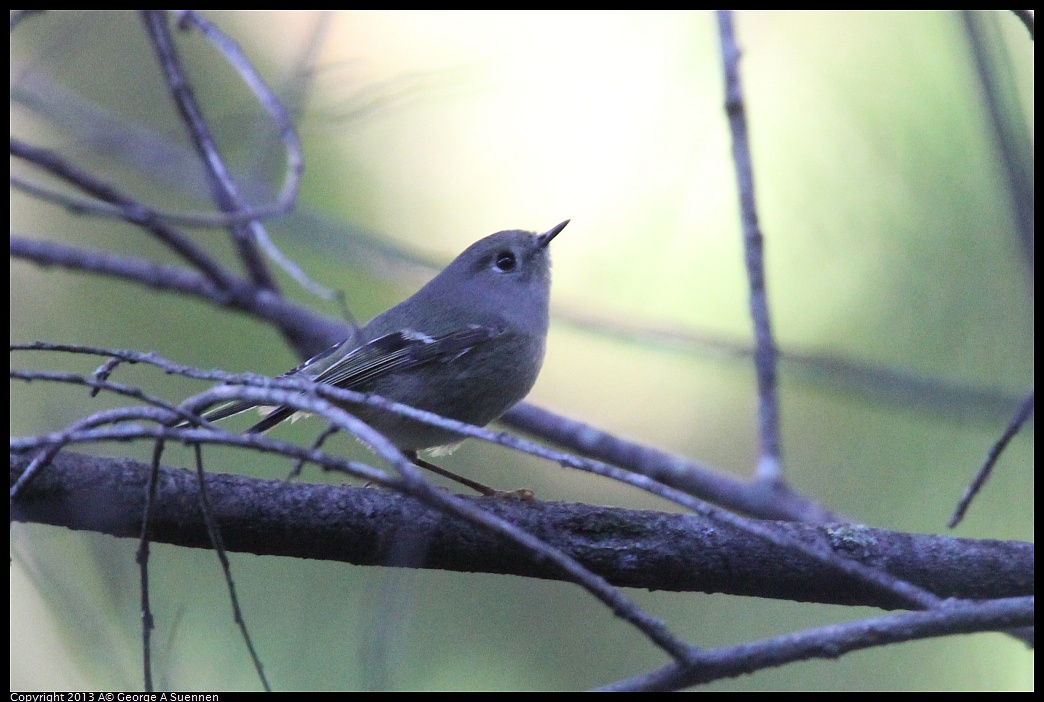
(524,494)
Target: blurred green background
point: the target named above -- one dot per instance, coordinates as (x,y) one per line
(900,285)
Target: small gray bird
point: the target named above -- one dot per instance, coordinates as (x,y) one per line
(468,346)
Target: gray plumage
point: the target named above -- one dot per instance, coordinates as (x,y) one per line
(468,345)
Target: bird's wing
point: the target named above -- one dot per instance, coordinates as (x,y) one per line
(391,353)
(399,351)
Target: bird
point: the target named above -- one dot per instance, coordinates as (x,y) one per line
(468,345)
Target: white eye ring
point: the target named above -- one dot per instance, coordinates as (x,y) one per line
(505,262)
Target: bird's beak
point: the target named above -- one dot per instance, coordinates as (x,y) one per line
(545,239)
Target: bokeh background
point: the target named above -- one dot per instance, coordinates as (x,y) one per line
(899,277)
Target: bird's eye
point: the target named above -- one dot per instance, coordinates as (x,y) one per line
(505,262)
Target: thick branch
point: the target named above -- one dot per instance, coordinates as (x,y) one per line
(629,548)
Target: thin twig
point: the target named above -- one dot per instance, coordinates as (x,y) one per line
(411,482)
(1016,423)
(147,621)
(223,186)
(103,372)
(309,329)
(757,499)
(268,100)
(132,210)
(770,466)
(214,533)
(830,642)
(308,397)
(424,491)
(1006,122)
(95,383)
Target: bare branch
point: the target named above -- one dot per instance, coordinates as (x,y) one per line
(223,187)
(831,642)
(217,543)
(770,467)
(410,481)
(132,211)
(1020,418)
(629,548)
(757,498)
(268,100)
(308,329)
(316,398)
